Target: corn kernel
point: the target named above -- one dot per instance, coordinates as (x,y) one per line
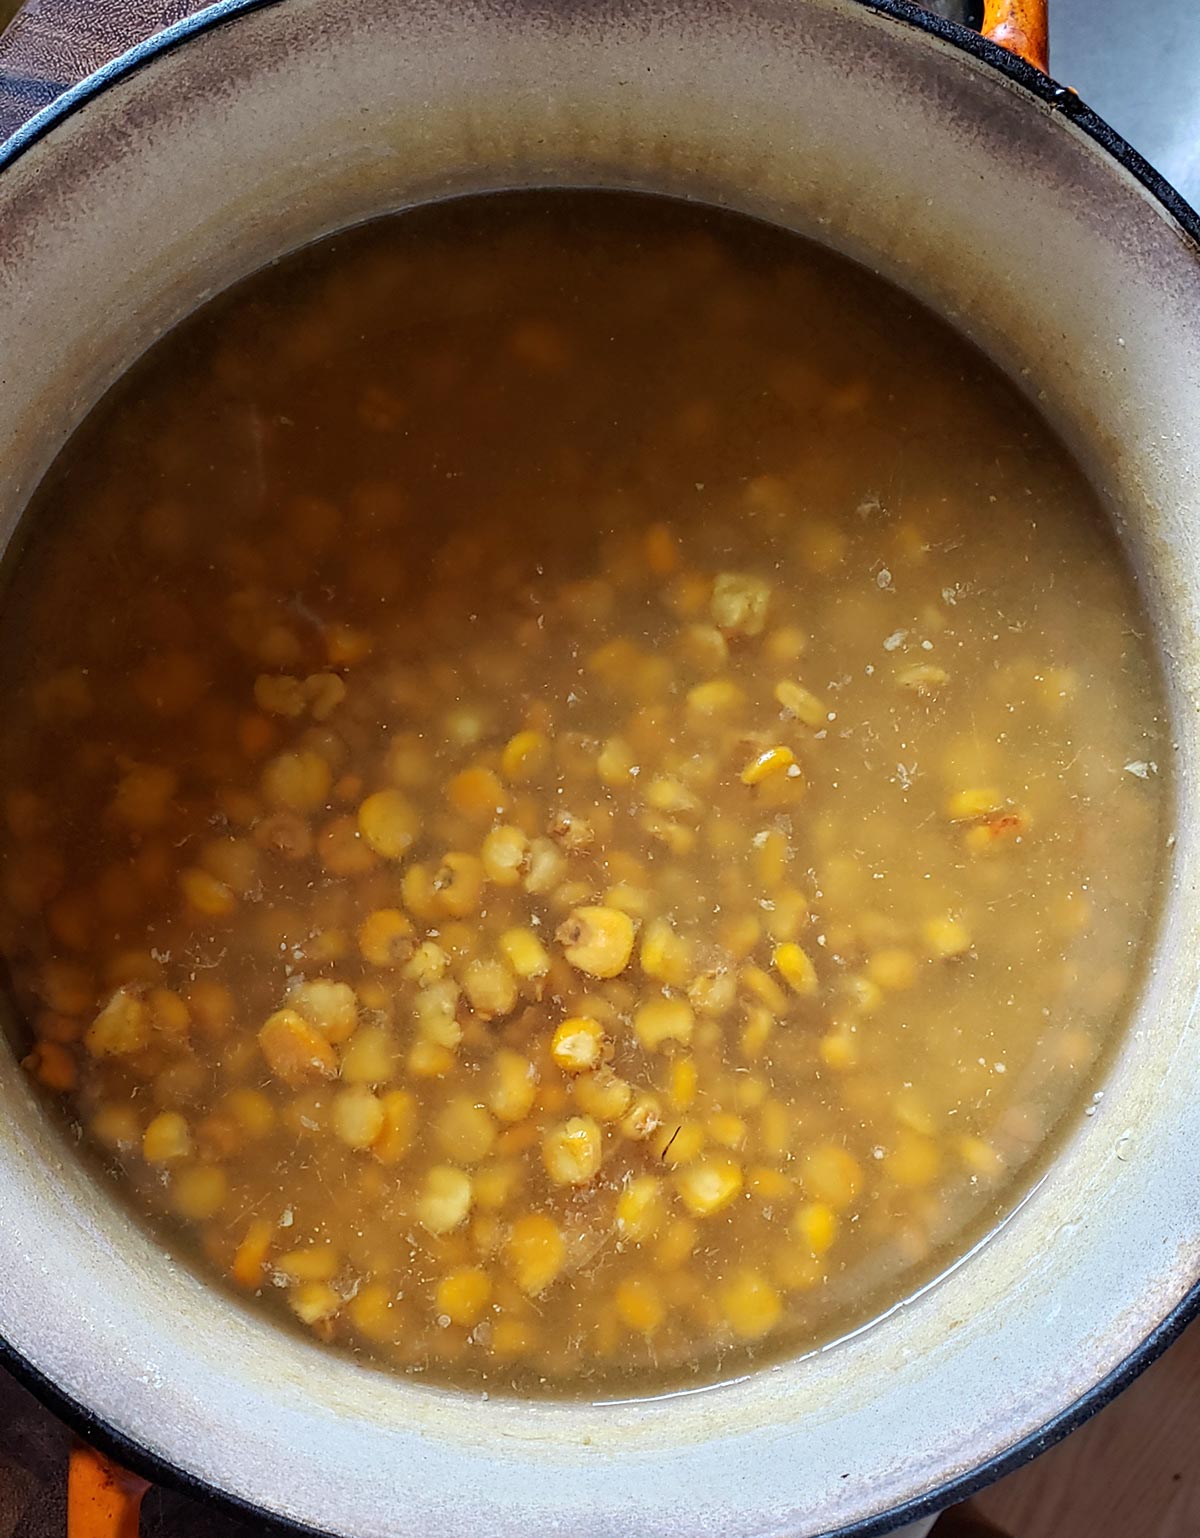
(430,1060)
(713,992)
(893,969)
(642,1118)
(478,794)
(331,1007)
(815,1224)
(616,763)
(716,697)
(914,1161)
(525,953)
(770,762)
(750,1303)
(598,941)
(980,1157)
(946,937)
(121,1027)
(665,954)
(684,1082)
(577,1044)
(459,884)
(251,1110)
(198,1192)
(388,823)
(250,1257)
(504,854)
(974,803)
(800,702)
(679,1144)
(463,1295)
(399,1126)
(314,1302)
(603,1095)
(524,756)
(794,965)
(445,1199)
(831,1174)
(769,1185)
(678,1240)
(639,1304)
(385,938)
(309,1263)
(465,1130)
(661,1020)
(295,1051)
(641,1209)
(372,1314)
(370,1056)
(513,1087)
(739,603)
(547,866)
(167,1137)
(572,1151)
(534,1253)
(709,1185)
(838,1050)
(297,782)
(357,1116)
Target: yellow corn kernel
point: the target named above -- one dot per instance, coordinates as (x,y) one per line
(309,1263)
(794,965)
(385,938)
(357,1116)
(399,1126)
(923,677)
(388,823)
(346,645)
(463,1295)
(331,1007)
(787,914)
(121,1027)
(370,1056)
(478,794)
(639,1304)
(198,1192)
(491,989)
(435,1012)
(762,987)
(371,1313)
(946,937)
(913,1161)
(525,953)
(616,763)
(512,1338)
(547,866)
(726,1128)
(297,782)
(770,858)
(572,1151)
(445,1199)
(167,1137)
(295,1051)
(679,1144)
(504,854)
(52,1065)
(800,702)
(775,1129)
(534,1253)
(980,1157)
(815,1224)
(661,1020)
(642,1118)
(739,936)
(676,1244)
(465,1130)
(495,1184)
(715,697)
(251,1110)
(525,756)
(709,1185)
(770,762)
(974,803)
(314,1302)
(513,1086)
(684,1082)
(749,1303)
(713,992)
(832,1174)
(143,796)
(420,893)
(578,1044)
(666,955)
(427,964)
(430,1059)
(598,941)
(459,884)
(894,969)
(769,1185)
(641,1209)
(602,1095)
(116,1126)
(250,1256)
(206,896)
(838,1050)
(756,1032)
(739,603)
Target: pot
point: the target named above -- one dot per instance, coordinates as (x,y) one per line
(993,195)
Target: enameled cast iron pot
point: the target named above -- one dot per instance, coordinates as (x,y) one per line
(968,177)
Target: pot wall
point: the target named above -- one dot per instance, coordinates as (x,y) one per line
(271,129)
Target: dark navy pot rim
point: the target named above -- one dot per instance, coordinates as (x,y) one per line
(1040,88)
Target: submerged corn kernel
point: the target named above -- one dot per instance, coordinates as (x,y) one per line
(388,823)
(445,1199)
(597,940)
(768,763)
(639,1304)
(525,755)
(465,1130)
(893,969)
(603,1094)
(525,953)
(684,1082)
(198,1191)
(357,1116)
(707,1186)
(534,1253)
(641,1209)
(399,1126)
(296,1051)
(923,677)
(314,1302)
(297,782)
(478,794)
(331,1007)
(717,697)
(750,1303)
(577,1044)
(463,1295)
(946,937)
(832,1174)
(661,1020)
(166,1137)
(800,702)
(513,1086)
(739,603)
(206,896)
(385,938)
(121,1027)
(250,1257)
(815,1224)
(572,1151)
(794,965)
(976,802)
(490,987)
(665,954)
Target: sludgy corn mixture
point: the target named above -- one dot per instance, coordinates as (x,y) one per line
(581,792)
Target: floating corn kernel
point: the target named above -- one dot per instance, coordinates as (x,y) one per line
(980,1157)
(838,1050)
(750,1303)
(946,937)
(680,1144)
(295,1050)
(370,1056)
(802,703)
(709,1185)
(427,964)
(716,697)
(914,1161)
(504,854)
(490,987)
(525,953)
(976,802)
(596,940)
(385,938)
(923,678)
(250,1257)
(771,761)
(463,1295)
(458,884)
(525,756)
(357,1116)
(572,1151)
(331,1007)
(513,1086)
(388,823)
(166,1137)
(794,965)
(602,1094)
(713,992)
(399,1126)
(893,969)
(641,1209)
(815,1224)
(577,1044)
(763,988)
(477,793)
(639,1304)
(445,1199)
(297,782)
(661,1020)
(430,1059)
(52,1065)
(534,1253)
(684,1082)
(465,1130)
(739,603)
(372,1314)
(435,1010)
(314,1302)
(831,1174)
(121,1027)
(309,1263)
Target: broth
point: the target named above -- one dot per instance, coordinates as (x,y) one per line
(581,791)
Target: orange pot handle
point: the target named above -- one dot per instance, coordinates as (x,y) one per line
(103,1499)
(1022,27)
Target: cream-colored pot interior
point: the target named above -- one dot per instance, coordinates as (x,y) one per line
(266,131)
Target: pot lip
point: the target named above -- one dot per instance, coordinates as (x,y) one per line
(1047,92)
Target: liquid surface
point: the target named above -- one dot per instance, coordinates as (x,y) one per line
(581,792)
